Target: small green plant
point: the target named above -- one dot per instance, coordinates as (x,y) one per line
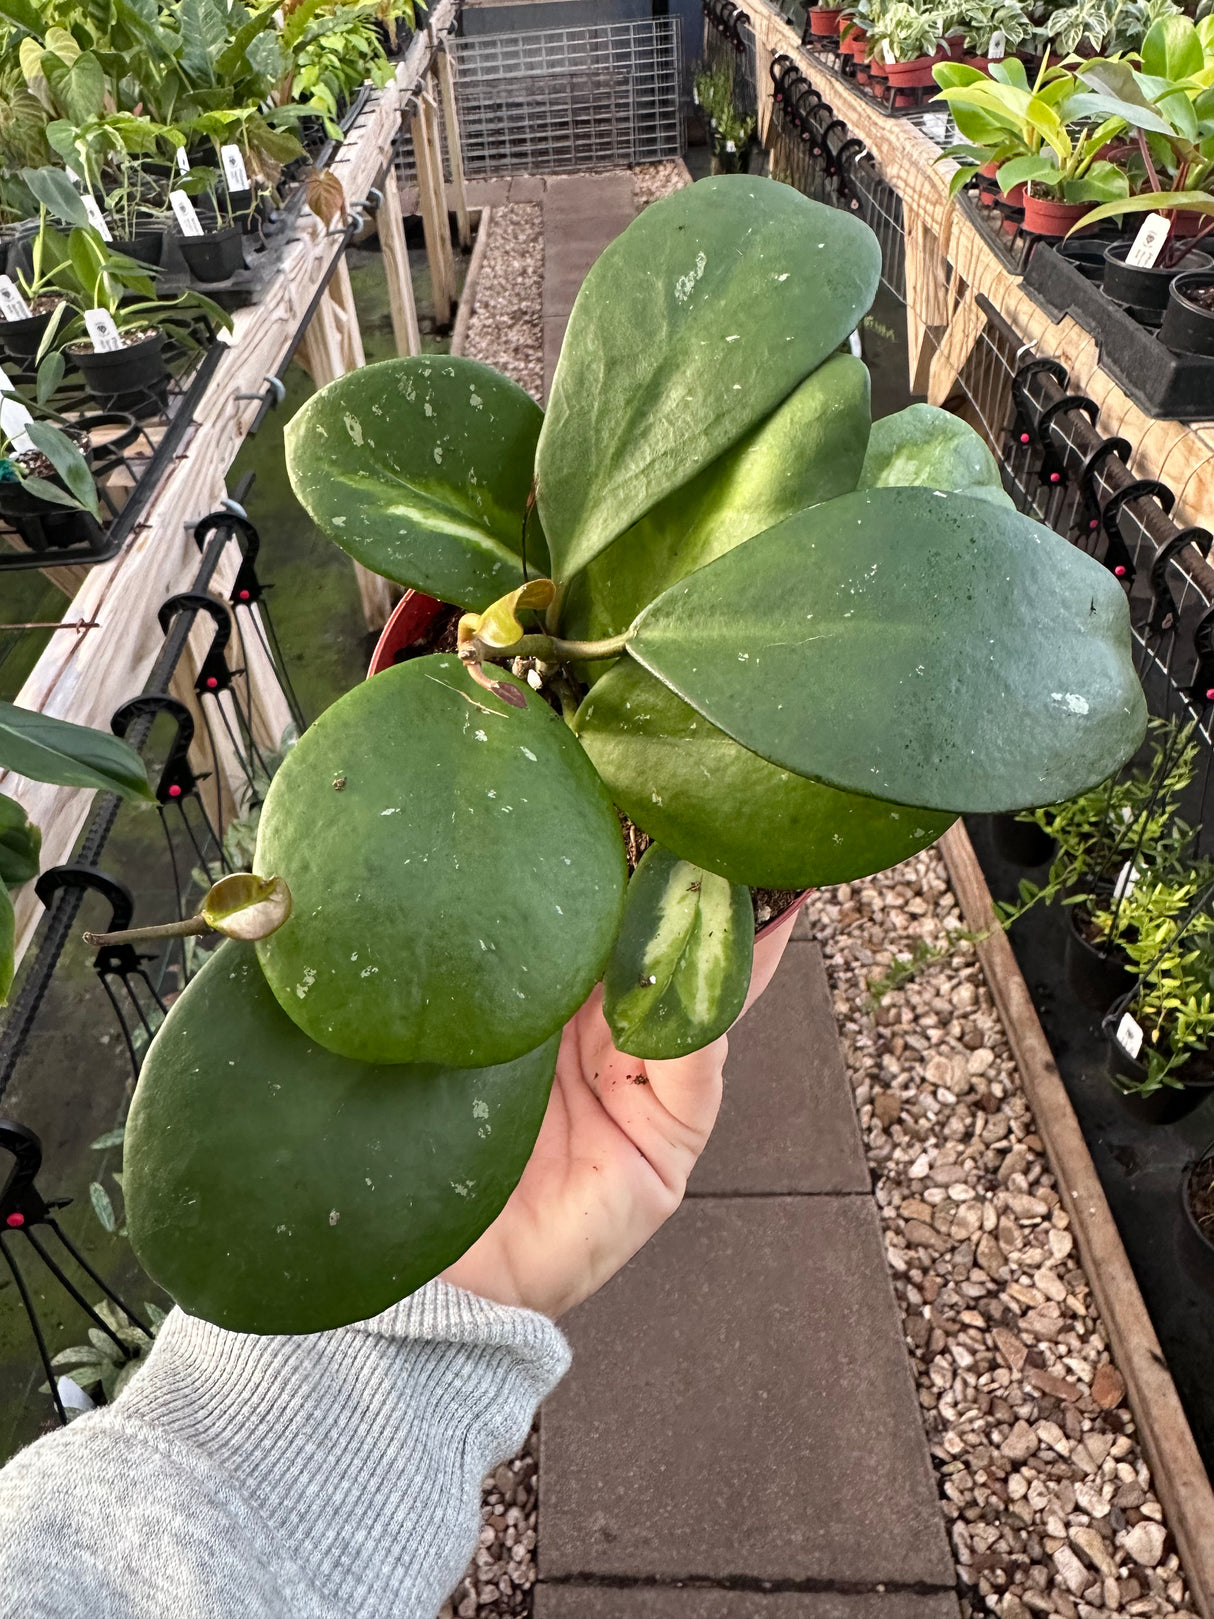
(761,629)
(730,131)
(103,1366)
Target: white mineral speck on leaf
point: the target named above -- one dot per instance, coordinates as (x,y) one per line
(306,982)
(353,427)
(334,1217)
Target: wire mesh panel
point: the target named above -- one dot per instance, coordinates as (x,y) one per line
(570,98)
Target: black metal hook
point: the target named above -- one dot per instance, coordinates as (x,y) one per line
(214,675)
(1164,612)
(177,780)
(1089,499)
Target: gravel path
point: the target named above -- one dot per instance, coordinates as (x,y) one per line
(1042,1482)
(507,326)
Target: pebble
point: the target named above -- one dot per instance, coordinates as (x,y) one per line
(1038,1467)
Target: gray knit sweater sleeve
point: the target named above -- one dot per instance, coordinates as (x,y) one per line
(334,1476)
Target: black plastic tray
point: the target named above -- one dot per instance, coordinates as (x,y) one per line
(1178,387)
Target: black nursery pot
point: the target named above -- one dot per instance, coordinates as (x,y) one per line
(45,526)
(1096,977)
(1021,842)
(1143,290)
(1085,254)
(1166,1105)
(216,256)
(133,378)
(147,245)
(21,338)
(1187,327)
(1200,1237)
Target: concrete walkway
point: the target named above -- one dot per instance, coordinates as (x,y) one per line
(739,1436)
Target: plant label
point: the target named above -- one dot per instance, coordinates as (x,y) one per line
(1148,244)
(887,52)
(997,49)
(102,331)
(187,215)
(183,162)
(730,147)
(15,416)
(234,171)
(1129,1035)
(12,305)
(96,217)
(1127,879)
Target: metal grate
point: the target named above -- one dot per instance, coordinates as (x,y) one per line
(570,98)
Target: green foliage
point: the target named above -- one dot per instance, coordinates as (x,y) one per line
(785,614)
(48,749)
(103,1368)
(730,131)
(680,969)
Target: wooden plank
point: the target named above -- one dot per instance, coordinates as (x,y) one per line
(455,146)
(1179,1477)
(391,225)
(432,201)
(467,297)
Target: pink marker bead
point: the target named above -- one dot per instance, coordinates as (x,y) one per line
(14,1220)
(211,682)
(1094,522)
(1055,477)
(1210,695)
(1024,438)
(244,595)
(1119,571)
(174,791)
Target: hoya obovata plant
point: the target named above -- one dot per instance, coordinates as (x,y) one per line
(789,644)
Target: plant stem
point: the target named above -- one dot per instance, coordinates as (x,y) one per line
(548,648)
(164,930)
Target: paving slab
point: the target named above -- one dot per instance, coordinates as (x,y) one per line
(582,215)
(787,1121)
(741,1409)
(706,1602)
(527,188)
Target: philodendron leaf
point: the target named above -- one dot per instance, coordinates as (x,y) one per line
(243,906)
(680,969)
(48,749)
(354,1184)
(456,865)
(928,648)
(7,936)
(690,328)
(421,469)
(20,841)
(929,448)
(809,449)
(712,801)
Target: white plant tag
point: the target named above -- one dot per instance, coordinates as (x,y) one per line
(15,416)
(187,215)
(102,331)
(730,147)
(76,179)
(855,345)
(1148,244)
(887,52)
(234,171)
(1127,880)
(183,162)
(1129,1035)
(998,46)
(12,305)
(96,217)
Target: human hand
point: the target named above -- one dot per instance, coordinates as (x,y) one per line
(611,1162)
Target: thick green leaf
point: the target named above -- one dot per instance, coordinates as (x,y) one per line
(79,89)
(48,749)
(690,328)
(7,935)
(20,842)
(1172,49)
(272,1186)
(457,891)
(67,461)
(929,648)
(421,470)
(52,188)
(1149,202)
(714,802)
(923,447)
(809,449)
(680,969)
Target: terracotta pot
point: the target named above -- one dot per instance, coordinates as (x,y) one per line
(917,74)
(1043,216)
(853,45)
(1187,222)
(878,68)
(824,20)
(954,44)
(412,617)
(982,63)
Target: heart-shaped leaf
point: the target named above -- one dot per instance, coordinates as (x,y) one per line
(20,842)
(680,969)
(48,749)
(928,648)
(809,449)
(689,329)
(272,1186)
(923,447)
(713,802)
(421,469)
(456,865)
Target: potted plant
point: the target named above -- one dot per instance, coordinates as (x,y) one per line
(1197,1199)
(47,493)
(132,374)
(731,133)
(992,30)
(674,613)
(824,21)
(910,42)
(1058,151)
(1188,324)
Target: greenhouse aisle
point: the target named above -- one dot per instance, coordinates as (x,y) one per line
(739,1435)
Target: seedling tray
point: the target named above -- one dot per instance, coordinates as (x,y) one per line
(1177,387)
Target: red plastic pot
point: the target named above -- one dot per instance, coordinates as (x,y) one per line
(853,43)
(412,617)
(824,20)
(917,74)
(982,63)
(878,68)
(1044,216)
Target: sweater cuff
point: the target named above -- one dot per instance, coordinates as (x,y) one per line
(361,1449)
